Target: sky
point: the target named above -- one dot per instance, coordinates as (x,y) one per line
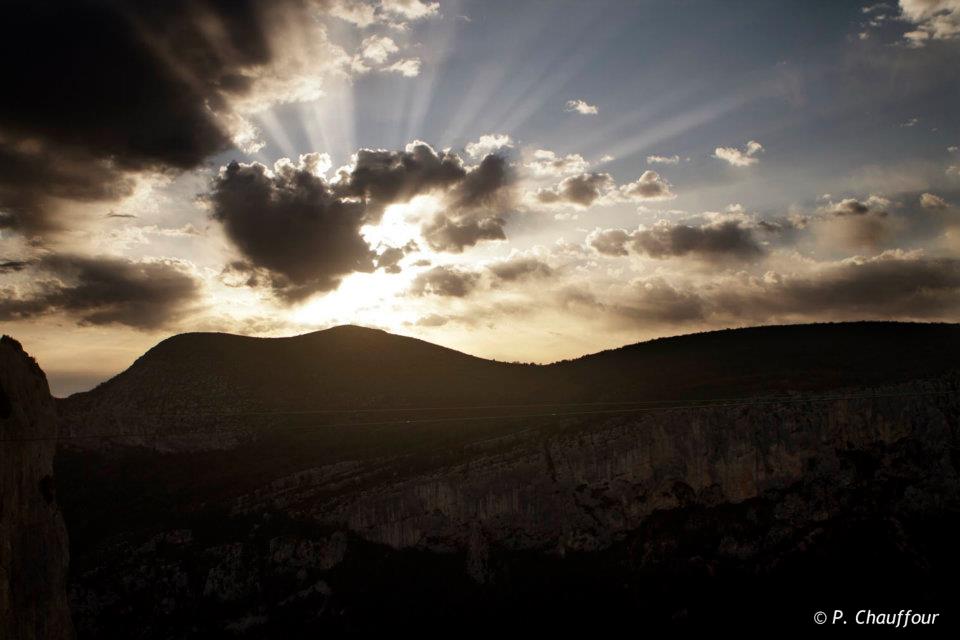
(520,180)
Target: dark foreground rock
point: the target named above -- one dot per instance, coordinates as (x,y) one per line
(34,551)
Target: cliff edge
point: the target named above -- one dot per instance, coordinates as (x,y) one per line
(34,554)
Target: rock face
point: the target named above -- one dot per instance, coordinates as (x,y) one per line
(34,553)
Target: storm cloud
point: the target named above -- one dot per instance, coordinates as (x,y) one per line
(289,223)
(104,290)
(97,89)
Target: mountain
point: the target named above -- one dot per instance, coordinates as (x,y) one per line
(230,385)
(359,482)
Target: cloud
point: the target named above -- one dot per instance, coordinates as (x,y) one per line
(408,67)
(380,177)
(378,48)
(300,234)
(713,242)
(11,266)
(581,107)
(431,320)
(931,20)
(891,285)
(410,9)
(147,86)
(105,290)
(649,186)
(548,164)
(445,281)
(34,179)
(663,159)
(475,207)
(456,233)
(520,268)
(585,189)
(290,226)
(389,259)
(856,224)
(744,157)
(647,301)
(580,190)
(931,201)
(487,144)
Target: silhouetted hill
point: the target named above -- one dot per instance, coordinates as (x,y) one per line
(342,367)
(774,359)
(354,367)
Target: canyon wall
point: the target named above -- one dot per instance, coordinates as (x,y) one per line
(583,485)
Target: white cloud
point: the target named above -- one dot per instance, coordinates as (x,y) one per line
(408,67)
(411,9)
(488,144)
(581,107)
(378,48)
(663,159)
(548,164)
(740,157)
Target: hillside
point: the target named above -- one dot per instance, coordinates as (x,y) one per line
(211,381)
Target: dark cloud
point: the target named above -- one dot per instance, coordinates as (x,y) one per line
(484,186)
(389,259)
(445,281)
(10,266)
(475,209)
(33,178)
(290,225)
(300,234)
(454,232)
(715,241)
(383,177)
(520,268)
(582,189)
(100,291)
(95,89)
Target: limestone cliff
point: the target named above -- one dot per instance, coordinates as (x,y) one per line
(33,540)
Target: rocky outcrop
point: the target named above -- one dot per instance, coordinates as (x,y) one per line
(33,540)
